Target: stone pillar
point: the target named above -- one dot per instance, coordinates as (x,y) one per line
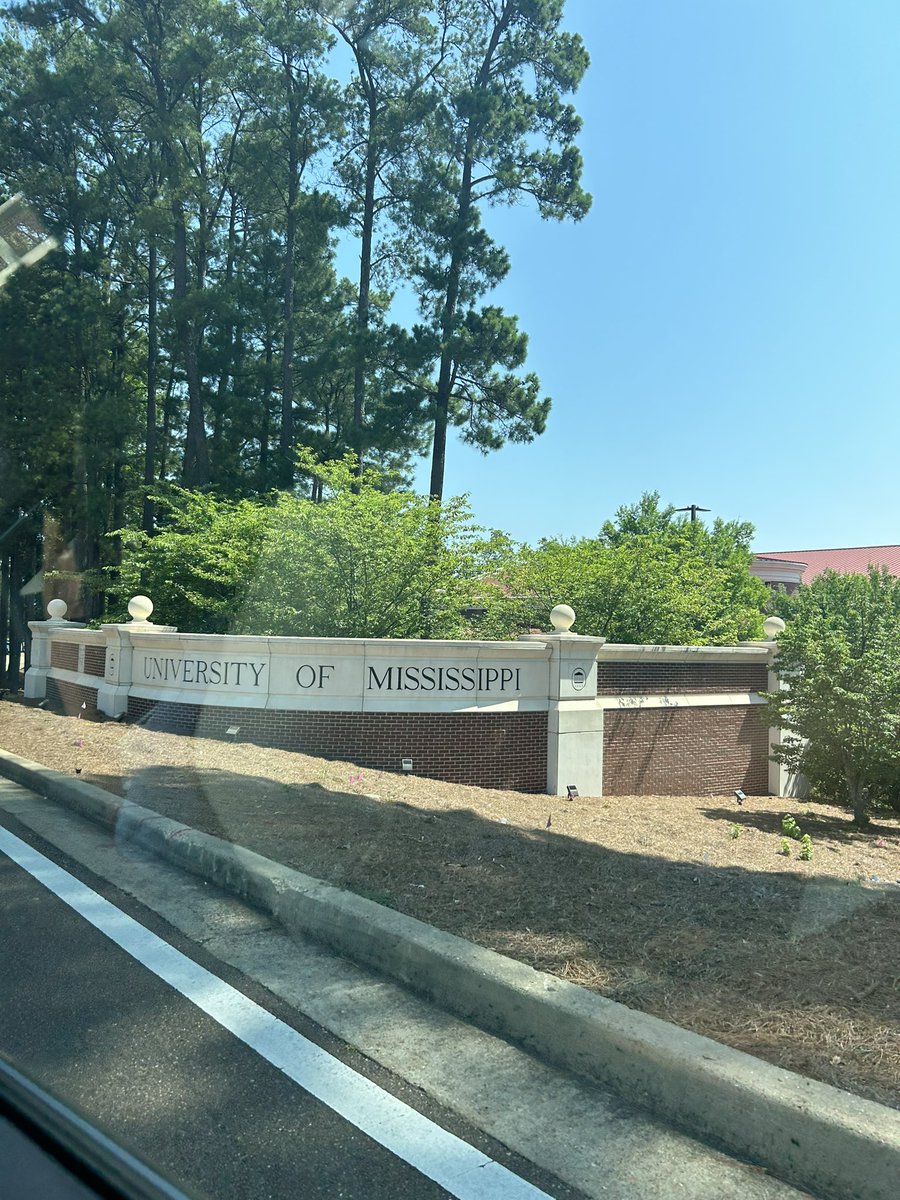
(574,718)
(782,782)
(112,694)
(41,631)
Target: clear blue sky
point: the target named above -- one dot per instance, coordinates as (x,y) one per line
(724,326)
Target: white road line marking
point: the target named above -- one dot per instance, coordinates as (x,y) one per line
(452,1163)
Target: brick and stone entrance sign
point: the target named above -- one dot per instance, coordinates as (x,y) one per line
(503,713)
(544,713)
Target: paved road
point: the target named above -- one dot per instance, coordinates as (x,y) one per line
(106,1033)
(541,1123)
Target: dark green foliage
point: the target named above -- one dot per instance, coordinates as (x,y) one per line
(68,402)
(201,162)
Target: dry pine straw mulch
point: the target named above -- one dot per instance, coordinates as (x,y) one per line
(648,900)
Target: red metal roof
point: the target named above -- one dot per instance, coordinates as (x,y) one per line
(851,560)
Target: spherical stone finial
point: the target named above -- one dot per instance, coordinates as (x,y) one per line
(140,608)
(562,618)
(57,610)
(772,627)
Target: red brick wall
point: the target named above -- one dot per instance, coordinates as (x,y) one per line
(707,750)
(503,750)
(64,655)
(69,697)
(95,660)
(661,678)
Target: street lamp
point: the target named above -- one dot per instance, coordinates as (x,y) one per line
(693,509)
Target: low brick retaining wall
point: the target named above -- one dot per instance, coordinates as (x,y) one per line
(502,750)
(686,751)
(68,697)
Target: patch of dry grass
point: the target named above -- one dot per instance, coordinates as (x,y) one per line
(648,900)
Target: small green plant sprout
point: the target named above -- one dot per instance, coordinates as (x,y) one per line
(734,830)
(806,848)
(785,848)
(790,827)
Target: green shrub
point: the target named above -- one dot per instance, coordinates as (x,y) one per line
(790,827)
(839,704)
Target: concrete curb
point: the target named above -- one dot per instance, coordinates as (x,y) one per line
(814,1136)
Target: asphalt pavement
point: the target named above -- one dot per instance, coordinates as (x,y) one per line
(565,1135)
(108,1035)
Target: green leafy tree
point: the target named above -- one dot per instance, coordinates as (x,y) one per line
(200,162)
(648,577)
(839,710)
(359,562)
(198,565)
(363,562)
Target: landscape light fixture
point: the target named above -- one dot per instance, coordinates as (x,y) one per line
(405,764)
(232,731)
(739,796)
(571,791)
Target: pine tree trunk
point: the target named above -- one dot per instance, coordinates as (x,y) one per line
(148,515)
(365,283)
(287,437)
(4,616)
(168,403)
(856,793)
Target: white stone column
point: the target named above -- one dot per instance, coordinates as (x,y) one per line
(112,694)
(41,640)
(777,771)
(782,781)
(574,718)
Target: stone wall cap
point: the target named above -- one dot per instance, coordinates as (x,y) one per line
(410,647)
(53,623)
(150,627)
(742,652)
(79,632)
